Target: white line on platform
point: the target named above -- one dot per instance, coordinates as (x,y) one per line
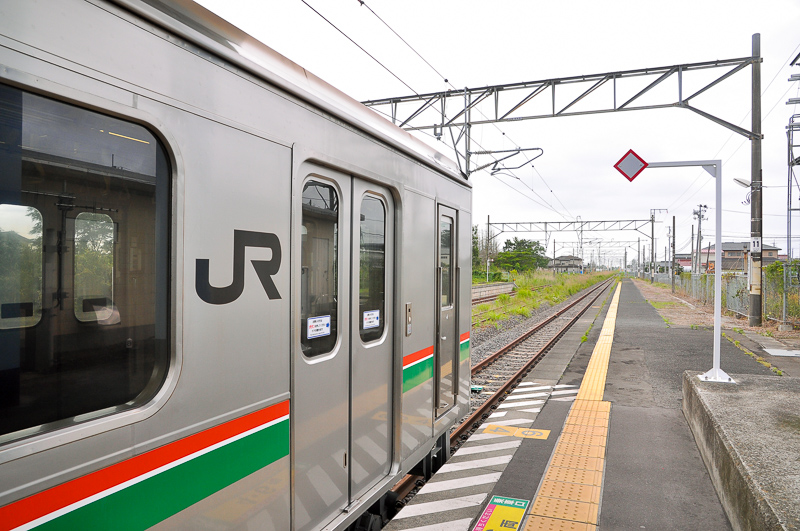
(486,436)
(419,509)
(475,463)
(533,395)
(565,392)
(455,525)
(524,384)
(511,422)
(498,414)
(534,410)
(461,483)
(520,404)
(529,389)
(484,448)
(562,386)
(564,399)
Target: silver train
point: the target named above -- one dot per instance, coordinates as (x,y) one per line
(231,297)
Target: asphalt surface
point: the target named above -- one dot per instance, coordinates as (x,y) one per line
(654,477)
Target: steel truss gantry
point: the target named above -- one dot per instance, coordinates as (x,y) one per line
(511,102)
(579,226)
(515,101)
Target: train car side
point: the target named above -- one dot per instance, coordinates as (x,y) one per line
(279,326)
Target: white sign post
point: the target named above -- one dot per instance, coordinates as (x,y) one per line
(713,167)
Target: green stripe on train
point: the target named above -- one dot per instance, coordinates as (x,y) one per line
(157,498)
(417,374)
(464,350)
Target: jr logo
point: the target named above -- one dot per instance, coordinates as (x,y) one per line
(265,268)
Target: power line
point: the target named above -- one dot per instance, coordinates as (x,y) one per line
(404,41)
(363,3)
(360,47)
(732,134)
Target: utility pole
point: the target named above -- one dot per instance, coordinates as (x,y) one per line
(638,257)
(652,242)
(673,254)
(691,250)
(700,215)
(755,188)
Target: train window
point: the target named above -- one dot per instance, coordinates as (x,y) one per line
(94,267)
(20,266)
(372,269)
(445,253)
(85,296)
(319,279)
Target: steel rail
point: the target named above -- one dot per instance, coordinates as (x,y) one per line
(491,359)
(403,487)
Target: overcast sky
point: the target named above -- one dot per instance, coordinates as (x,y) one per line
(474,44)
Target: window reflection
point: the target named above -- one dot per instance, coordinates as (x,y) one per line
(84,231)
(94,267)
(20,266)
(319,282)
(445,253)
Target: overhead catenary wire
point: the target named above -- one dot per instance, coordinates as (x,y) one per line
(447,81)
(360,47)
(731,135)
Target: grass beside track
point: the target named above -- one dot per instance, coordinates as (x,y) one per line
(533,290)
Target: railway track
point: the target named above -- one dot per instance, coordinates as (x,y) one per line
(500,372)
(492,298)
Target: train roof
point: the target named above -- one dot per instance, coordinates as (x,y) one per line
(200,26)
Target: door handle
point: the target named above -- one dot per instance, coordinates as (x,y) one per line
(444,338)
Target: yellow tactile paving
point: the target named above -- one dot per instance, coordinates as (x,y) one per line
(569,495)
(577,461)
(590,440)
(580,449)
(541,523)
(570,491)
(594,420)
(573,475)
(579,429)
(566,509)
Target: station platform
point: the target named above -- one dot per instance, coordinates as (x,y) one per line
(602,435)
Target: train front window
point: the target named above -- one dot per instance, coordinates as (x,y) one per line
(319,278)
(84,210)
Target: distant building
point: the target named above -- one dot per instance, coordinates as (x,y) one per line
(735,256)
(684,260)
(566,264)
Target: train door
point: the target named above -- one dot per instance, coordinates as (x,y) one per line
(371,336)
(446,382)
(341,433)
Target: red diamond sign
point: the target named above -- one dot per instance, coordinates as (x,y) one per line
(630,165)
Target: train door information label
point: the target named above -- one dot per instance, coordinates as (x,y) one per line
(502,514)
(372,319)
(318,326)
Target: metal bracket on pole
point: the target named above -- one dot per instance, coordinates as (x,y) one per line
(713,167)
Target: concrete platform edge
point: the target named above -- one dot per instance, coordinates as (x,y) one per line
(742,499)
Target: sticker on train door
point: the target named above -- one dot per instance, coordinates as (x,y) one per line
(318,326)
(372,319)
(502,514)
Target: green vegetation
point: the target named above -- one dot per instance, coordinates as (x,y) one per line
(758,359)
(661,305)
(533,289)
